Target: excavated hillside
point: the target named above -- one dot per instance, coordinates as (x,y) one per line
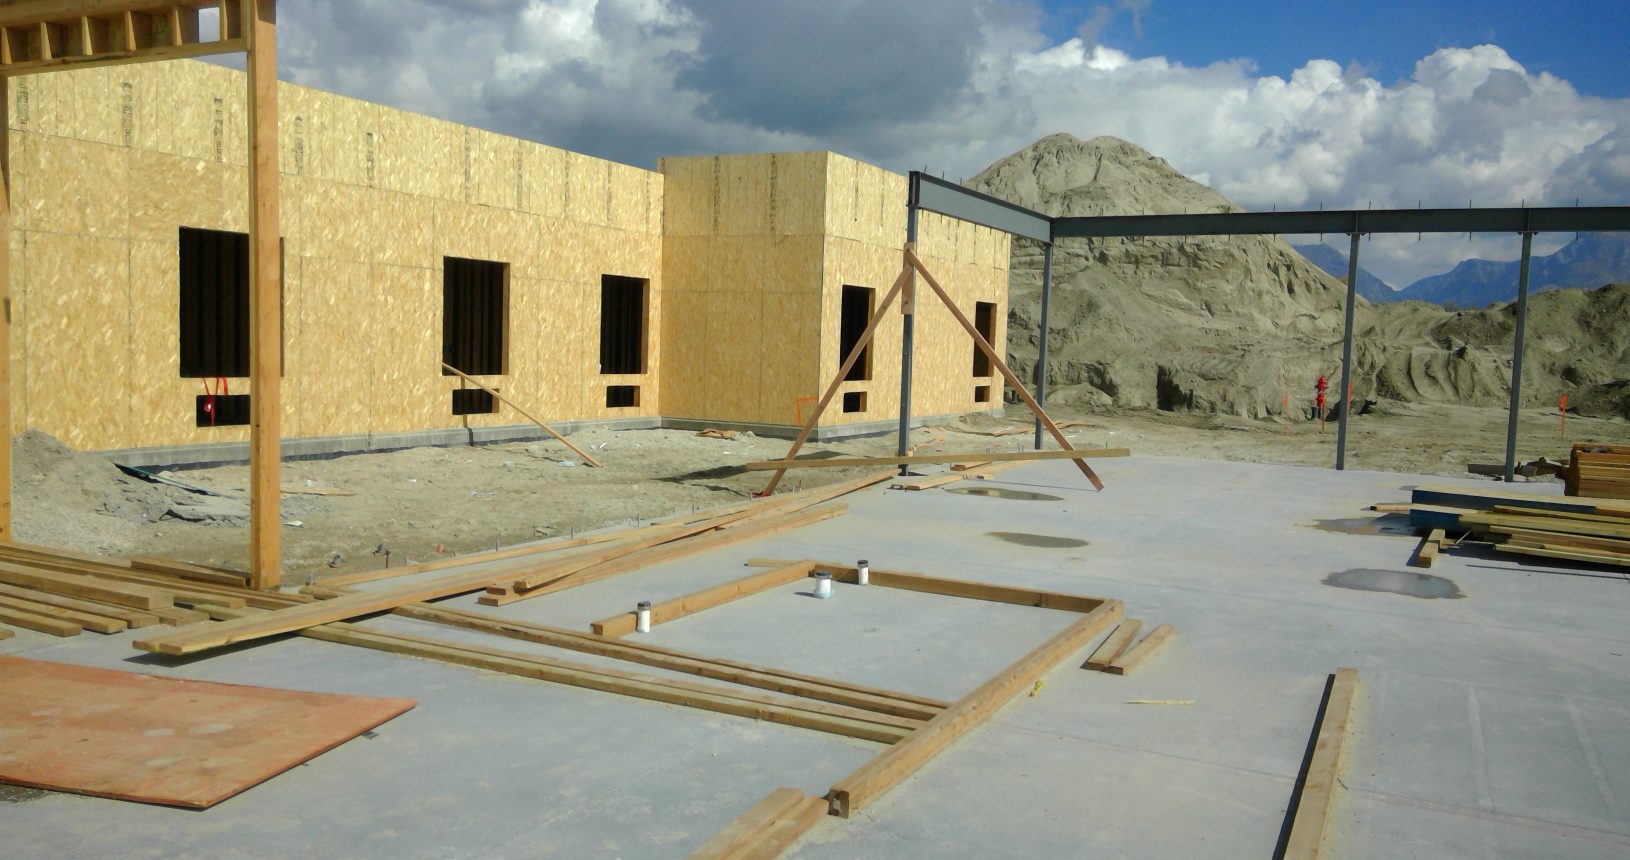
(1234,324)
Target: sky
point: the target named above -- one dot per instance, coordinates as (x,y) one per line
(1274,104)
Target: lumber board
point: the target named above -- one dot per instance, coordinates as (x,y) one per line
(555,572)
(811,715)
(1570,555)
(727,841)
(1112,646)
(40,623)
(94,623)
(926,483)
(707,598)
(706,543)
(99,590)
(884,771)
(131,617)
(987,472)
(1463,497)
(969,467)
(1142,651)
(1480,522)
(175,616)
(1015,595)
(194,572)
(1559,539)
(778,835)
(1391,508)
(1318,790)
(524,414)
(1558,515)
(265,298)
(1427,552)
(931,459)
(5,633)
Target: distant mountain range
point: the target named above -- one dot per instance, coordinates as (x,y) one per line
(1334,264)
(1588,262)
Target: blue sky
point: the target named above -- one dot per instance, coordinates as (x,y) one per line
(1273,104)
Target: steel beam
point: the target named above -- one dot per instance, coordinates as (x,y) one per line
(908,309)
(1041,350)
(1347,353)
(1506,220)
(954,201)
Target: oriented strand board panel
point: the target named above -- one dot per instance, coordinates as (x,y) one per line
(161,740)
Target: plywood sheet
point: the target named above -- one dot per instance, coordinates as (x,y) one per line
(162,740)
(78,328)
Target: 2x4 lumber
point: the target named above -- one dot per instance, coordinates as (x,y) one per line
(183,570)
(753,530)
(176,616)
(855,352)
(95,623)
(554,573)
(1114,645)
(1570,555)
(7,45)
(969,467)
(931,459)
(885,770)
(1307,828)
(41,623)
(926,483)
(5,633)
(784,831)
(1142,651)
(1478,498)
(1572,540)
(987,472)
(1000,364)
(1545,524)
(1016,595)
(130,617)
(766,830)
(828,718)
(690,604)
(265,303)
(524,414)
(1427,552)
(101,591)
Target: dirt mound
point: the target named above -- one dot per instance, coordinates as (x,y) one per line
(1234,324)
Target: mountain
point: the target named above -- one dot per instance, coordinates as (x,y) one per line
(1235,324)
(1334,264)
(1589,261)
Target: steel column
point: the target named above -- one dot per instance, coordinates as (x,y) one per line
(1516,359)
(1347,350)
(1041,351)
(907,307)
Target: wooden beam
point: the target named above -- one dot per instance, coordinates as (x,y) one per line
(1142,651)
(930,459)
(997,362)
(10,39)
(41,623)
(1427,552)
(926,483)
(95,623)
(1015,595)
(5,633)
(1307,828)
(855,352)
(874,778)
(265,306)
(623,624)
(131,617)
(811,715)
(766,830)
(524,414)
(84,587)
(25,12)
(1114,645)
(183,570)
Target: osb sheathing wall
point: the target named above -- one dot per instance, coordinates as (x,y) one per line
(107,164)
(757,251)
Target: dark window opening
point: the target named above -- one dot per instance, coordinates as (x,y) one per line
(214,303)
(475,316)
(221,410)
(622,324)
(984,319)
(856,313)
(619,396)
(854,401)
(981,394)
(473,401)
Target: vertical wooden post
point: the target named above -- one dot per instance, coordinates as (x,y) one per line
(265,300)
(5,309)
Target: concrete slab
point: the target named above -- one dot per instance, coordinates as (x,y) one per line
(1491,724)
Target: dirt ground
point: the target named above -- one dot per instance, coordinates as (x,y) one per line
(420,503)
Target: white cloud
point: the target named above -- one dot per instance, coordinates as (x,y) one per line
(957,84)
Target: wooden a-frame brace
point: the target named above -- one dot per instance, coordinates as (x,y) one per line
(903,287)
(39,36)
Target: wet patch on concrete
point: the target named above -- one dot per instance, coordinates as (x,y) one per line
(1003,493)
(1389,524)
(19,794)
(1422,585)
(1040,541)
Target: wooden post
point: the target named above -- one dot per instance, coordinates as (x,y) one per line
(265,301)
(5,308)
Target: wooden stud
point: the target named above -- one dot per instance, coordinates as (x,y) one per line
(84,587)
(926,483)
(1427,552)
(265,304)
(94,623)
(969,589)
(727,841)
(131,617)
(183,570)
(524,414)
(5,633)
(1142,651)
(1114,645)
(1307,828)
(707,598)
(930,459)
(41,623)
(884,771)
(849,361)
(88,37)
(10,42)
(997,362)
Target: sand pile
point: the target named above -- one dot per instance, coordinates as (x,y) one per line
(1233,324)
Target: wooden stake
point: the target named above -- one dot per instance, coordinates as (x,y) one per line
(524,414)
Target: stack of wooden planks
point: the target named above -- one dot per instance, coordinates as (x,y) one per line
(1570,528)
(63,593)
(1602,471)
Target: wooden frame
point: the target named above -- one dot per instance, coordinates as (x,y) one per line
(904,291)
(39,36)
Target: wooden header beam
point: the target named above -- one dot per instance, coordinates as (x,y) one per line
(49,36)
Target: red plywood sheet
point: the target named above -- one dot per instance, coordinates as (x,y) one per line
(163,740)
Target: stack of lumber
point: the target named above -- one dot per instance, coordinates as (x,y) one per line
(1571,528)
(1602,471)
(63,593)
